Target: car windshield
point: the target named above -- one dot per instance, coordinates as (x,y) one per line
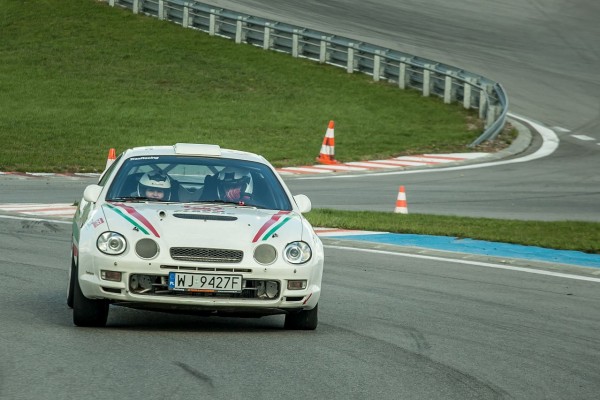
(188,179)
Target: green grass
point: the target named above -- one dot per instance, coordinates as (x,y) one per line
(78,77)
(566,235)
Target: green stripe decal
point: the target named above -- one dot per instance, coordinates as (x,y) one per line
(275,228)
(115,209)
(76,231)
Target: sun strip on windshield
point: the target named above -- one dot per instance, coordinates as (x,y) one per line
(131,220)
(268,224)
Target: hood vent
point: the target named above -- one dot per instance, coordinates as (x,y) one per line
(206,217)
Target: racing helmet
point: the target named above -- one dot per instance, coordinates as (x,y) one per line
(155,181)
(234,184)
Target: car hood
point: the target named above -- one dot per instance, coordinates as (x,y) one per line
(205,225)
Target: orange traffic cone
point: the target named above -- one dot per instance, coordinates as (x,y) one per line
(327,149)
(111,158)
(401,206)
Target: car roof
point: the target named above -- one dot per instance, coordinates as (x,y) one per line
(194,149)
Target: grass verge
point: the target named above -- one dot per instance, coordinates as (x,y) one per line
(564,235)
(78,77)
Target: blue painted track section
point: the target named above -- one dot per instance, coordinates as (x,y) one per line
(481,247)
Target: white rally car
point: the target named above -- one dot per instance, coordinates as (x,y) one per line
(195,229)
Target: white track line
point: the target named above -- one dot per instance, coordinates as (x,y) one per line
(56,221)
(303,169)
(373,165)
(341,167)
(468,262)
(583,137)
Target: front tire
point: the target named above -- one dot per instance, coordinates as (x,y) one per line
(306,320)
(71,285)
(88,312)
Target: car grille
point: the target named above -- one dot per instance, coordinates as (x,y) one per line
(206,254)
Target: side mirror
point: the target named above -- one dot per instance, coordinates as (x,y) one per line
(303,203)
(91,193)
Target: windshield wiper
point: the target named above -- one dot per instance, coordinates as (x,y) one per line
(234,203)
(132,198)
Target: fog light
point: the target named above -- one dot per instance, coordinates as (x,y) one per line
(265,254)
(146,248)
(296,285)
(114,276)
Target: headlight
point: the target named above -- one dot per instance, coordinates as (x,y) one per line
(111,243)
(146,248)
(297,252)
(265,254)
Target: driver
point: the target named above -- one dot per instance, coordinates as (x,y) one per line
(155,185)
(234,185)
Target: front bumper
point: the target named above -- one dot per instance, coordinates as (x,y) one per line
(155,294)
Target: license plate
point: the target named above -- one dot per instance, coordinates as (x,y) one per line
(205,282)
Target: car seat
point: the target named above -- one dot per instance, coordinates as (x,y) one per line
(209,192)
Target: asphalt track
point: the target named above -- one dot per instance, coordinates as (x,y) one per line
(396,322)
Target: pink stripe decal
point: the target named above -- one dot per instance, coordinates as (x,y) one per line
(304,302)
(133,212)
(267,224)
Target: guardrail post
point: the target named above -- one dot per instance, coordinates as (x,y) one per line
(295,43)
(482,102)
(350,58)
(161,9)
(377,66)
(402,78)
(426,80)
(111,3)
(491,116)
(136,6)
(212,23)
(448,92)
(467,93)
(267,37)
(185,21)
(323,50)
(238,31)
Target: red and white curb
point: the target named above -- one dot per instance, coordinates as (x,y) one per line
(68,210)
(40,210)
(398,162)
(373,165)
(50,174)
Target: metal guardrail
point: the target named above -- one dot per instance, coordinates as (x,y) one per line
(405,70)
